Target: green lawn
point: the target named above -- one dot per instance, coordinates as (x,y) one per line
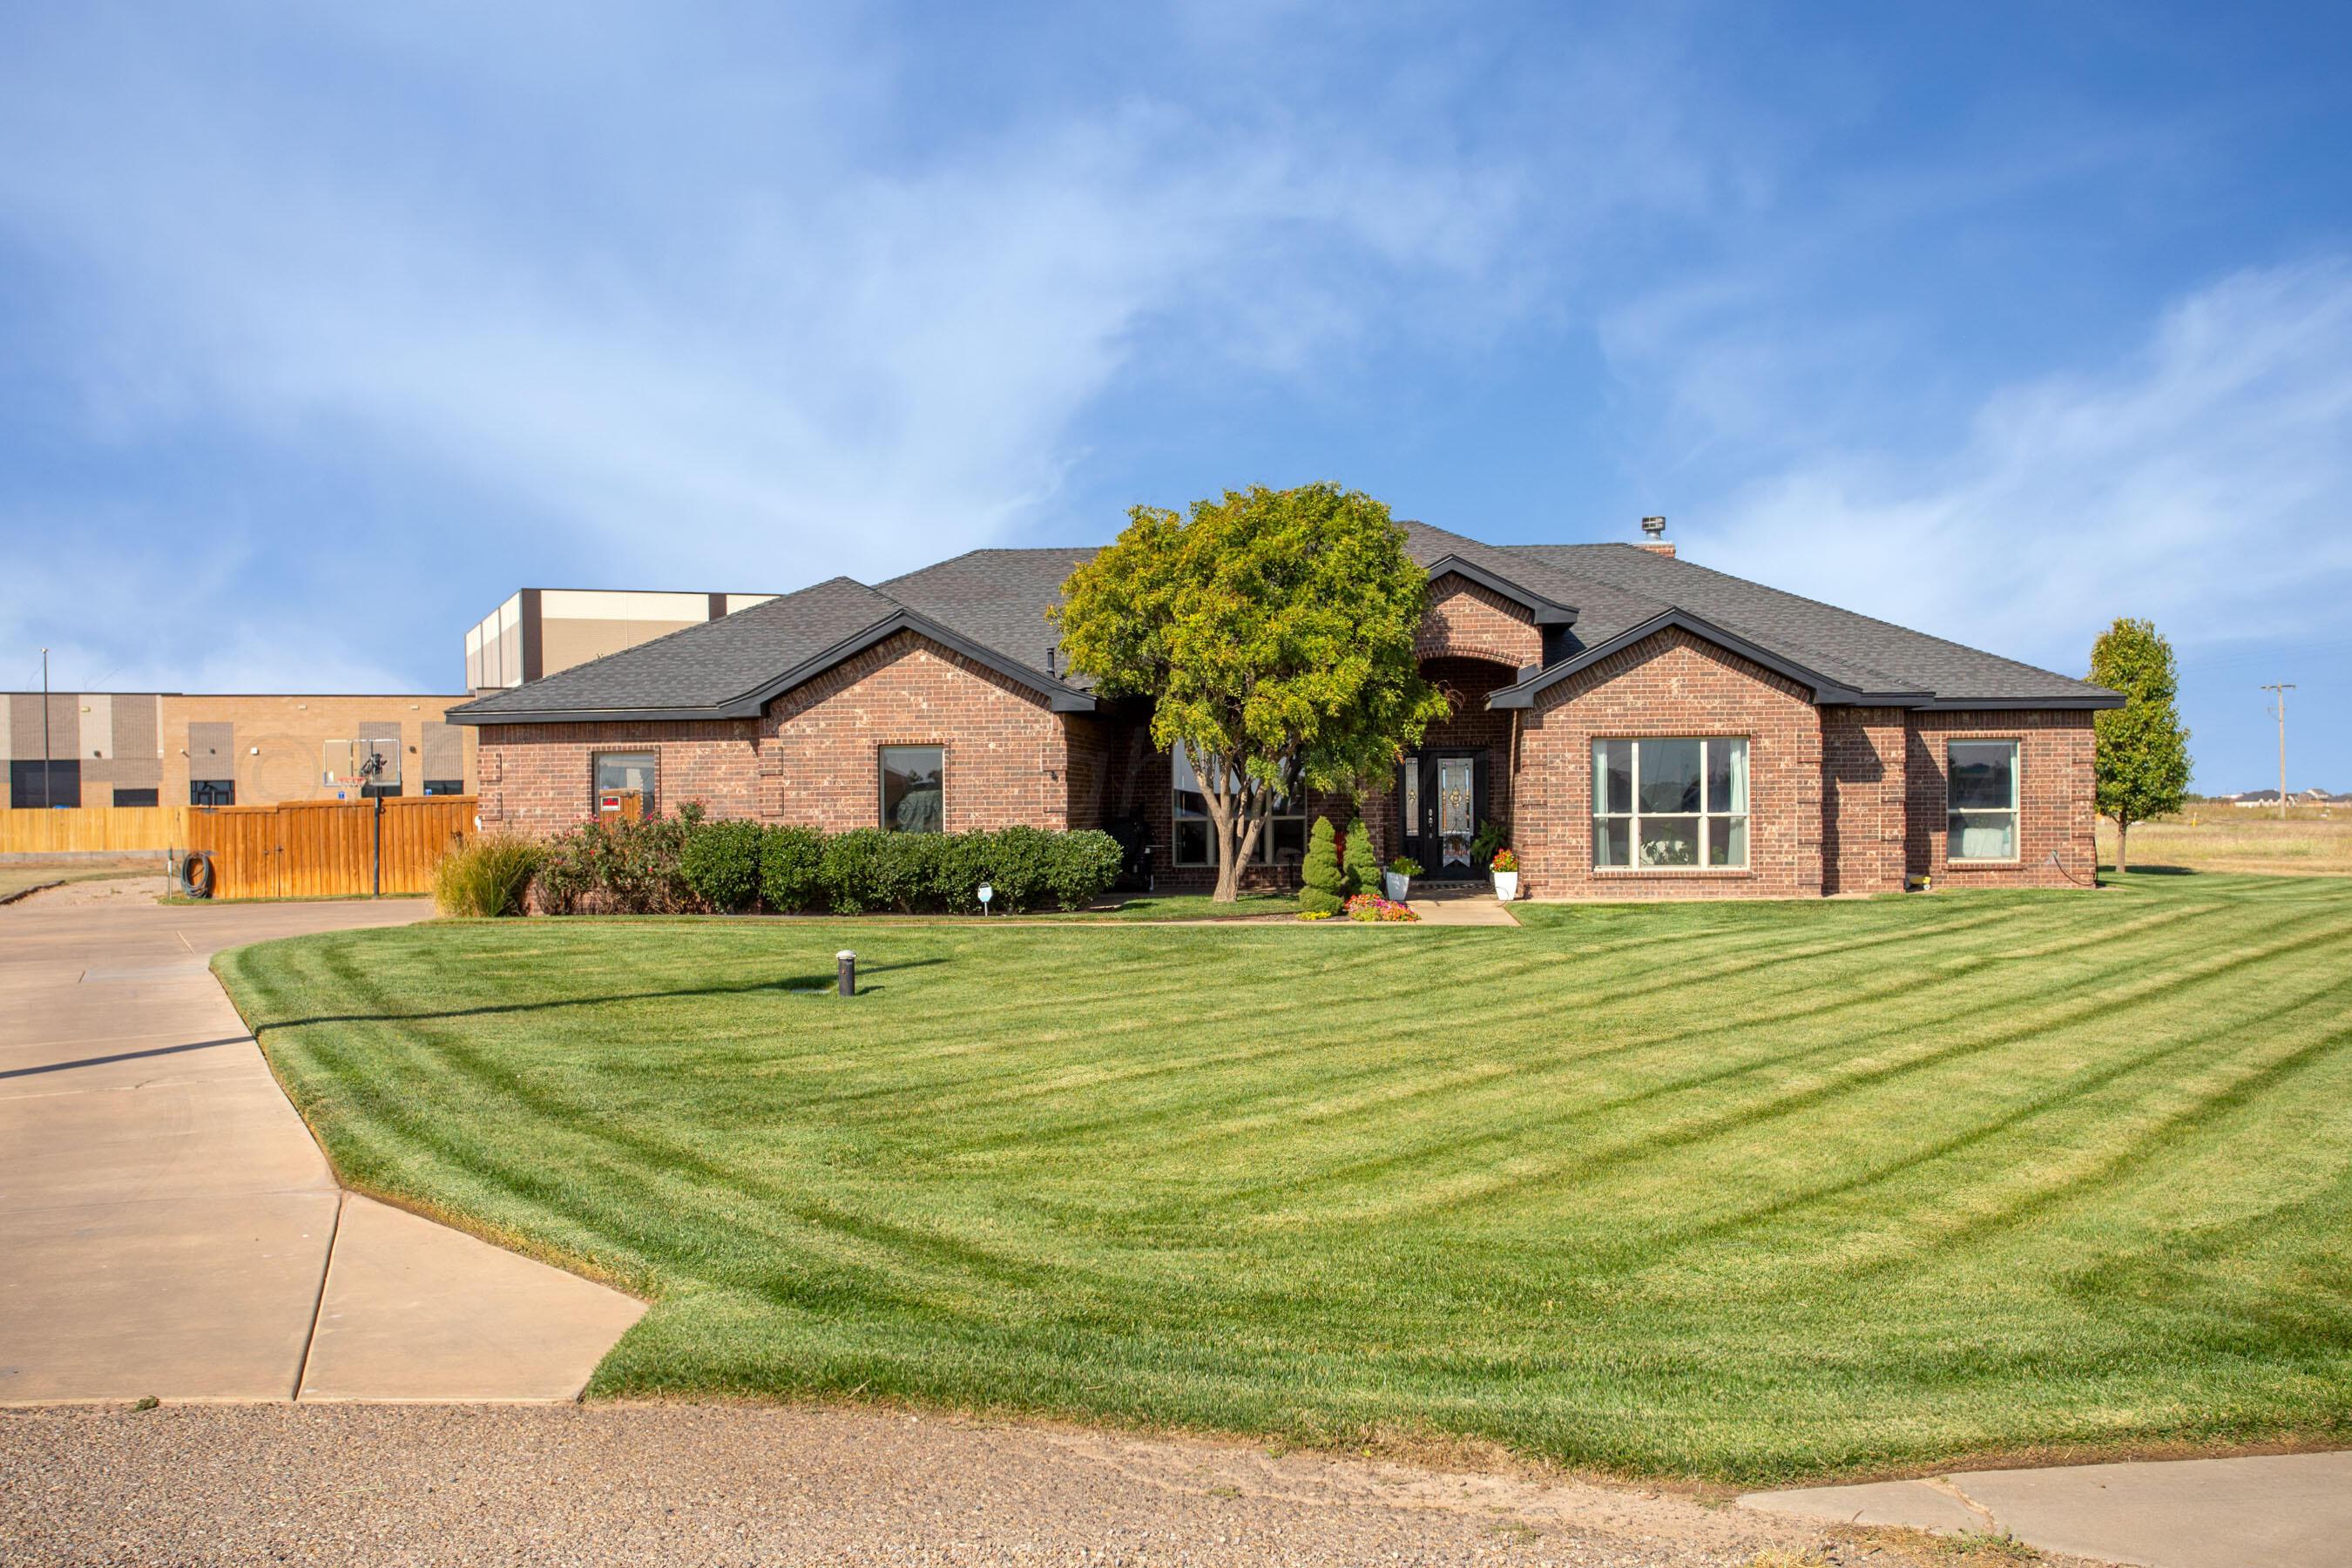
(1738,1192)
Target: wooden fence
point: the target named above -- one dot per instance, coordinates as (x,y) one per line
(95,829)
(328,848)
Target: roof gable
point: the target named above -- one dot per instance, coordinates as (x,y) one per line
(1826,689)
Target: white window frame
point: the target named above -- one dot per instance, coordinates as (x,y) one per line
(1709,821)
(2013,811)
(1291,807)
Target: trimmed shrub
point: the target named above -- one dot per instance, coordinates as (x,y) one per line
(852,870)
(1360,865)
(1083,866)
(487,878)
(1322,889)
(906,872)
(1021,865)
(722,864)
(792,868)
(964,862)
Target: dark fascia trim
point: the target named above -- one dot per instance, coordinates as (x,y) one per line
(1826,692)
(1059,698)
(1547,612)
(2090,700)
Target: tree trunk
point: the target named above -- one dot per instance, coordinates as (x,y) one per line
(1229,880)
(2123,838)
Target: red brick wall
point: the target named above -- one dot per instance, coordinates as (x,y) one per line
(536,779)
(2054,788)
(1865,823)
(1671,684)
(1466,621)
(811,757)
(1007,754)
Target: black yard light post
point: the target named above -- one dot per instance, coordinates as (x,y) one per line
(845,964)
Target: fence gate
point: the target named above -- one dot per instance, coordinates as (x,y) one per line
(314,849)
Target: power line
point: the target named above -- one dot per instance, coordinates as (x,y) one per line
(2281,688)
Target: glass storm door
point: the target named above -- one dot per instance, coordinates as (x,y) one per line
(1457,814)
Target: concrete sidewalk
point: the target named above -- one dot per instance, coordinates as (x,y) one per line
(1459,904)
(168,1226)
(2286,1511)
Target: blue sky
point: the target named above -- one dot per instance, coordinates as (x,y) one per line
(322,329)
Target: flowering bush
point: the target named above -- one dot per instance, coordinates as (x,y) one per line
(1372,907)
(1504,861)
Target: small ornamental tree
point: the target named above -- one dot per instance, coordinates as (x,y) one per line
(2143,751)
(1360,863)
(1273,633)
(1323,886)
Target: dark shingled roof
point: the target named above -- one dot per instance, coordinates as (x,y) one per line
(991,605)
(997,597)
(1865,654)
(705,665)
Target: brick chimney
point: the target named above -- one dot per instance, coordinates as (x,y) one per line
(1655,529)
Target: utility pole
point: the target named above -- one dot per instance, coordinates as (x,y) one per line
(2283,688)
(48,786)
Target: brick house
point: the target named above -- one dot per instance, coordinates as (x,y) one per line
(1647,728)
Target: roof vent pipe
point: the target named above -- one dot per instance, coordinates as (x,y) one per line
(1654,530)
(1049,660)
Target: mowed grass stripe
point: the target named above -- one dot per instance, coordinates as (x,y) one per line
(1741,1192)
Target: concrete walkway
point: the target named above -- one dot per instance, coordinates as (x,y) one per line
(168,1226)
(1463,904)
(2287,1510)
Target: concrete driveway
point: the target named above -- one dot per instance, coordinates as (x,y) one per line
(168,1226)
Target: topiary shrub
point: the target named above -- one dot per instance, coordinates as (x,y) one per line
(792,868)
(1082,867)
(852,870)
(487,878)
(721,863)
(1323,885)
(1359,864)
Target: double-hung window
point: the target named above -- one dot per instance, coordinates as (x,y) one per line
(1670,805)
(1283,842)
(1981,798)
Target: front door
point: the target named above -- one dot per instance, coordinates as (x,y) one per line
(1441,799)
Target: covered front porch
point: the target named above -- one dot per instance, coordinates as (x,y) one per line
(1458,779)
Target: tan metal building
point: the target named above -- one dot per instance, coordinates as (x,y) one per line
(173,747)
(537,631)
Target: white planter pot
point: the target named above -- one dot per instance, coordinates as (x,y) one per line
(1397,887)
(1506,885)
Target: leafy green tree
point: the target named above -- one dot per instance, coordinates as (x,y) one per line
(2143,751)
(1273,632)
(1322,885)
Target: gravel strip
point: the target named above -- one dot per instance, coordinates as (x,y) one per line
(744,1485)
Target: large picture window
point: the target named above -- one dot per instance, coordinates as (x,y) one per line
(1283,842)
(1980,795)
(1670,805)
(914,791)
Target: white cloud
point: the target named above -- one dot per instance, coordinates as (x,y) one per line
(2202,482)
